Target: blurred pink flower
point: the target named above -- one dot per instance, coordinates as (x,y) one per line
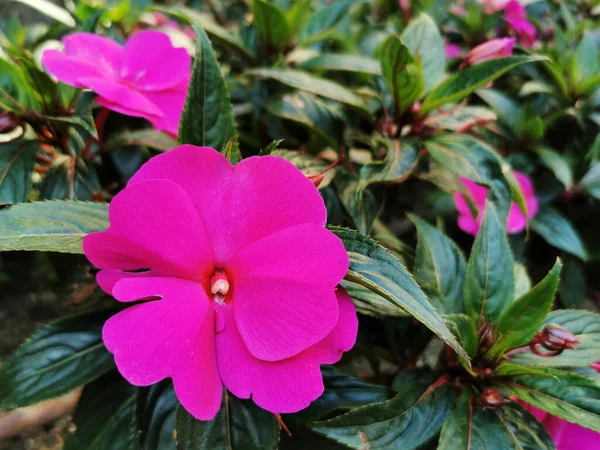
(516,17)
(596,366)
(492,6)
(131,80)
(453,51)
(495,48)
(245,275)
(516,220)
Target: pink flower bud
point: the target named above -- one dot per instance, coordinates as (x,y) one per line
(453,51)
(496,48)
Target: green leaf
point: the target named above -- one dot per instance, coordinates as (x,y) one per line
(271,24)
(568,395)
(507,369)
(523,318)
(308,164)
(369,303)
(407,421)
(239,425)
(461,119)
(60,357)
(586,62)
(342,391)
(526,429)
(461,84)
(591,181)
(471,158)
(310,112)
(439,268)
(297,14)
(105,416)
(270,148)
(207,118)
(464,330)
(51,10)
(342,62)
(572,287)
(402,157)
(16,168)
(372,266)
(156,408)
(401,72)
(522,281)
(156,140)
(14,83)
(66,180)
(557,164)
(309,83)
(363,206)
(321,23)
(425,43)
(490,279)
(558,231)
(584,325)
(56,226)
(507,109)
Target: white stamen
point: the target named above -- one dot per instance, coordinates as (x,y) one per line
(220,287)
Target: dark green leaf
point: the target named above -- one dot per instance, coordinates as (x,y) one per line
(490,280)
(57,226)
(105,416)
(344,62)
(461,84)
(558,231)
(464,330)
(308,164)
(526,429)
(372,266)
(523,318)
(591,181)
(271,147)
(557,164)
(405,422)
(297,14)
(507,109)
(401,72)
(16,168)
(363,206)
(425,43)
(271,24)
(66,180)
(461,119)
(60,357)
(568,395)
(86,123)
(585,326)
(207,118)
(572,285)
(439,268)
(156,408)
(14,83)
(369,303)
(309,83)
(321,23)
(156,140)
(239,425)
(402,157)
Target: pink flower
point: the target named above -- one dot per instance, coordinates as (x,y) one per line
(147,78)
(516,17)
(245,275)
(453,51)
(492,6)
(516,220)
(495,48)
(596,366)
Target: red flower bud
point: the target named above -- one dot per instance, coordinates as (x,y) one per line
(555,339)
(496,48)
(492,398)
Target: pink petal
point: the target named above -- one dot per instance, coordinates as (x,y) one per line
(149,340)
(240,205)
(468,224)
(294,254)
(68,69)
(477,192)
(152,63)
(122,98)
(528,193)
(514,9)
(105,53)
(107,278)
(461,203)
(452,51)
(516,220)
(278,318)
(280,387)
(171,103)
(570,436)
(153,225)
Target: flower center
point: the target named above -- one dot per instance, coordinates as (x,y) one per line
(219,286)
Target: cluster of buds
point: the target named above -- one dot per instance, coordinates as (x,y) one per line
(555,339)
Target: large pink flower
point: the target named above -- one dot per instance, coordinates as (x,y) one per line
(147,78)
(516,222)
(245,275)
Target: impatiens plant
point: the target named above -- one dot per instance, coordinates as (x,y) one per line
(290,225)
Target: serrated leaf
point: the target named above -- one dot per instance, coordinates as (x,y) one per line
(375,268)
(407,421)
(342,62)
(567,395)
(439,268)
(558,231)
(60,357)
(523,318)
(57,226)
(425,43)
(401,73)
(402,157)
(489,282)
(309,83)
(584,325)
(105,416)
(239,425)
(156,406)
(207,118)
(369,303)
(307,164)
(271,24)
(156,140)
(507,369)
(16,168)
(461,84)
(321,22)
